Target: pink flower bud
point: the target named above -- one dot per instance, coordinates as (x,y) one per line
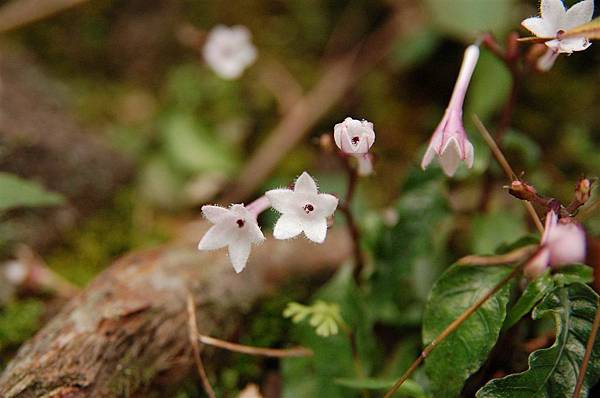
(563,243)
(354,137)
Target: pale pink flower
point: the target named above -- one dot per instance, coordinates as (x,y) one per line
(563,243)
(449,141)
(355,138)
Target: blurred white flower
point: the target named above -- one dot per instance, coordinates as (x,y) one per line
(229,50)
(555,20)
(302,209)
(563,243)
(235,228)
(449,141)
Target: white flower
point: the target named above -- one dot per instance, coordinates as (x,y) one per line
(303,209)
(354,137)
(449,141)
(556,20)
(228,51)
(236,228)
(563,243)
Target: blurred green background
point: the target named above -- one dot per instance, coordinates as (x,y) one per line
(127,75)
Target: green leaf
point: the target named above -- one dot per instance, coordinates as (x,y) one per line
(192,149)
(553,371)
(413,49)
(491,230)
(574,273)
(533,293)
(409,388)
(489,88)
(410,254)
(18,192)
(465,19)
(516,143)
(463,351)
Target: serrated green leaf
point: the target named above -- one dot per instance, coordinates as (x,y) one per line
(462,352)
(553,371)
(532,294)
(409,388)
(18,192)
(574,273)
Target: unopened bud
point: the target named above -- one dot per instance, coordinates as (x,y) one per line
(583,190)
(521,190)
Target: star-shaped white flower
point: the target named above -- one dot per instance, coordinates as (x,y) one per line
(556,20)
(302,209)
(228,51)
(235,228)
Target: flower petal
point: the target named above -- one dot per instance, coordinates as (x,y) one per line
(238,255)
(538,27)
(553,12)
(579,14)
(469,154)
(216,237)
(450,157)
(287,227)
(574,44)
(537,265)
(255,235)
(546,61)
(281,200)
(305,184)
(316,230)
(214,214)
(326,204)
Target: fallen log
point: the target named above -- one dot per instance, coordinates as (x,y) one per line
(127,331)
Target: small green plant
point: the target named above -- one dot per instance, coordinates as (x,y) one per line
(325,317)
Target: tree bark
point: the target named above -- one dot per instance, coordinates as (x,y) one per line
(128,328)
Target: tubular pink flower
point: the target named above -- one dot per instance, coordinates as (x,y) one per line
(449,141)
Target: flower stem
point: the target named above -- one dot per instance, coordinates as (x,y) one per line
(193,331)
(258,351)
(345,208)
(451,328)
(588,352)
(508,170)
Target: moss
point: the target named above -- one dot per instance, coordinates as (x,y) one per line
(108,234)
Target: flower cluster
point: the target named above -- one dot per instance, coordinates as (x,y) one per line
(303,209)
